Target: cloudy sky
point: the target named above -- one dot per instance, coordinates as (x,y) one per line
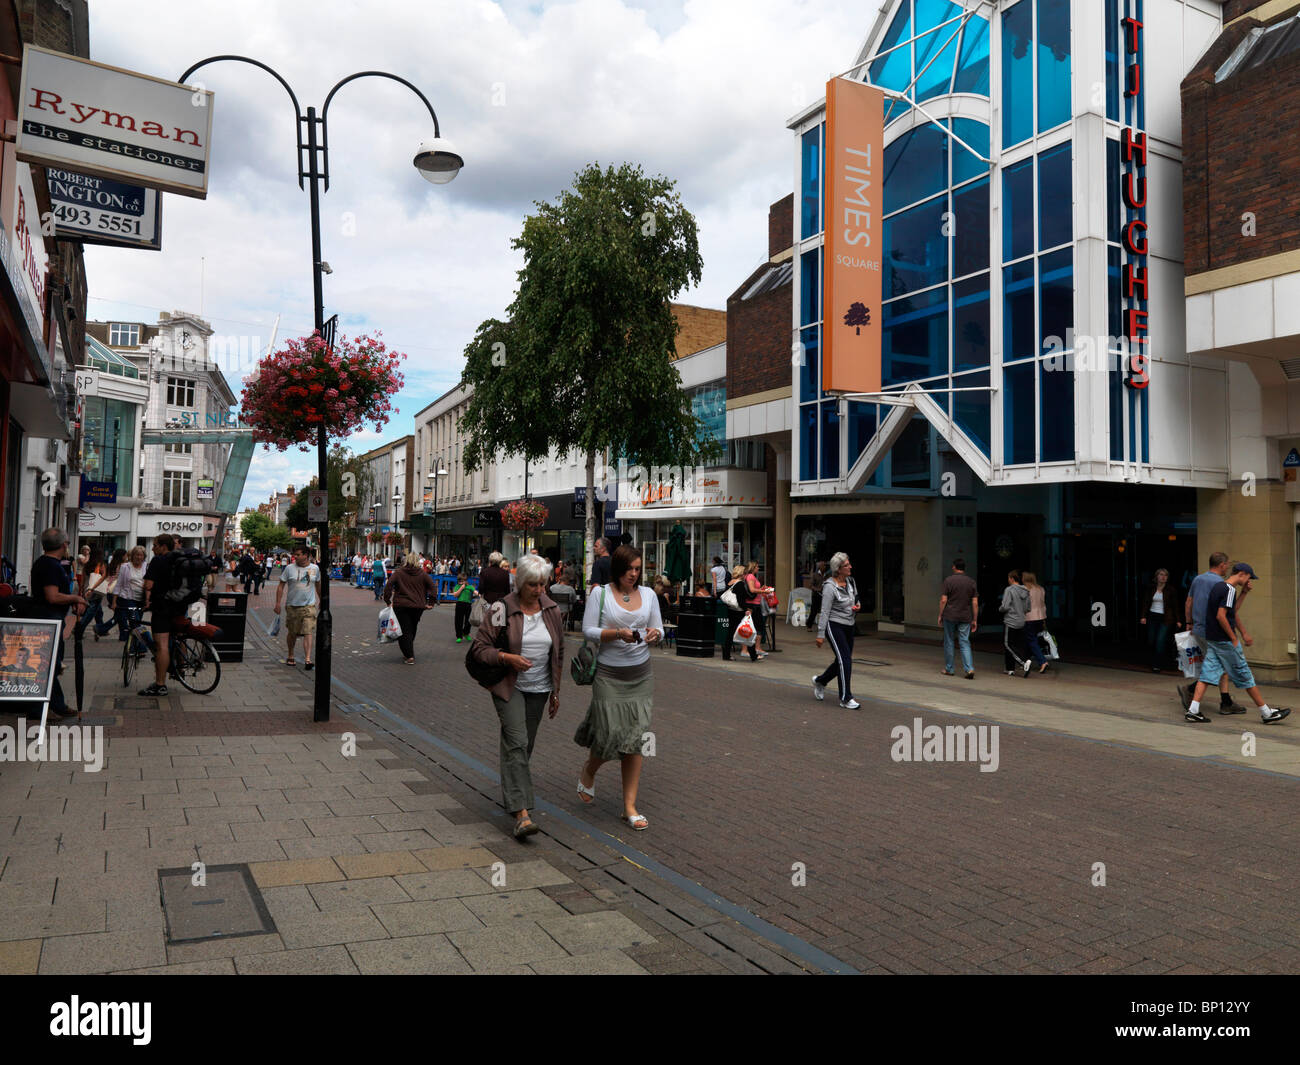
(528,92)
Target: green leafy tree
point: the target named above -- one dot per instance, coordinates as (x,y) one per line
(264,534)
(590,333)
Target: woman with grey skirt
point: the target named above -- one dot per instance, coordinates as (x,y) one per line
(624,618)
(535,657)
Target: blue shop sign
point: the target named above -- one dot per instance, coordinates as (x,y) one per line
(98,492)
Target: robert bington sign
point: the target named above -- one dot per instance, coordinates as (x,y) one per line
(99,211)
(114,123)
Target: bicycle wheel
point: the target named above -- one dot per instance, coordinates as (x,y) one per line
(131,655)
(195,664)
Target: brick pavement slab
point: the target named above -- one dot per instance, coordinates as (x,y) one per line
(382,863)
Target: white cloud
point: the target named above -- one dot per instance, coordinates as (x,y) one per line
(698,90)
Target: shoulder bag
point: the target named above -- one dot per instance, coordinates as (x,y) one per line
(489,676)
(729,599)
(583,666)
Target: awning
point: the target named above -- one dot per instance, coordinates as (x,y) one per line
(692,513)
(37,410)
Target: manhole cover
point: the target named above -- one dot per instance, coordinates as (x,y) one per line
(225,902)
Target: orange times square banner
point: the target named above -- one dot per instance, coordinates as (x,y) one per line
(855,133)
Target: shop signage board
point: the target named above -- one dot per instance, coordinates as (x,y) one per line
(487,519)
(87,382)
(318,506)
(23,249)
(204,488)
(28,654)
(428,502)
(98,210)
(851,328)
(97,492)
(97,119)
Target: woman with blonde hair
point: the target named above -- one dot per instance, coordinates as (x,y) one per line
(739,586)
(1162,609)
(1035,617)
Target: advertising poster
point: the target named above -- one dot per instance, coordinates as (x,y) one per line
(28,651)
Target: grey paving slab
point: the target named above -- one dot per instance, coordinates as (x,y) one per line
(512,905)
(324,929)
(322,847)
(225,947)
(358,894)
(495,948)
(101,952)
(598,963)
(446,884)
(527,874)
(411,955)
(38,921)
(343,826)
(293,902)
(219,815)
(587,932)
(214,967)
(413,839)
(362,807)
(423,918)
(247,831)
(322,961)
(234,853)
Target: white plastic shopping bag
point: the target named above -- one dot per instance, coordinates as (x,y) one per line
(389,629)
(1048,643)
(745,630)
(275,626)
(1189,654)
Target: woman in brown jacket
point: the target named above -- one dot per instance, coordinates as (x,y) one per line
(1162,610)
(408,591)
(534,655)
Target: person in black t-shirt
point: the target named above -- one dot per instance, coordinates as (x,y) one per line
(157,583)
(52,589)
(600,568)
(1223,652)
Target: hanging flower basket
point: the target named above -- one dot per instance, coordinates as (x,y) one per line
(375,537)
(304,385)
(524,515)
(394,539)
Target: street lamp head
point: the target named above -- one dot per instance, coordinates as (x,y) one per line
(438,161)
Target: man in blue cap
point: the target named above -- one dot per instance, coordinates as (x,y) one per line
(1223,650)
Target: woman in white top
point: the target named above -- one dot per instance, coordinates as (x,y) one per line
(624,617)
(129,591)
(1162,610)
(534,655)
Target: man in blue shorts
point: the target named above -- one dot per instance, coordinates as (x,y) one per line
(1223,653)
(1194,611)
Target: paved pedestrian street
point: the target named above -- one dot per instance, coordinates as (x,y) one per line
(784,836)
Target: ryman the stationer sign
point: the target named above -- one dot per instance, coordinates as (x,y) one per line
(98,119)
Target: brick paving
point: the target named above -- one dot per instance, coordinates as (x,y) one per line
(919,867)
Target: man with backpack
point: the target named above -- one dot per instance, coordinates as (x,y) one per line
(173,580)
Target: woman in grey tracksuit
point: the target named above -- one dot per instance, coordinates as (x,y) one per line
(1014,606)
(839,605)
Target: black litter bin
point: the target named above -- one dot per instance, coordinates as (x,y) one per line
(229,612)
(695,627)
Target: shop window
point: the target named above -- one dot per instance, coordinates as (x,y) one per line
(973,66)
(936,54)
(1114,295)
(915,337)
(812,183)
(1055,199)
(970,324)
(970,410)
(810,289)
(965,165)
(1017,74)
(916,167)
(830,439)
(910,456)
(810,369)
(176,488)
(970,244)
(915,248)
(1018,339)
(1018,416)
(1018,211)
(808,442)
(1053,63)
(1056,387)
(1056,296)
(1114,202)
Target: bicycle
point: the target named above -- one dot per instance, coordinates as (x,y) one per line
(194,662)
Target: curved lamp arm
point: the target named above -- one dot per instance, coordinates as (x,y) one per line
(297,110)
(324,111)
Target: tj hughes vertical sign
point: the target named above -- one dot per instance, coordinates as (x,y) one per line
(855,133)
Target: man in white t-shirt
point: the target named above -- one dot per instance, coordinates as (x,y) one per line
(301,580)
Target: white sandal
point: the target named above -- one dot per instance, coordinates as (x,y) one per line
(587,795)
(636,821)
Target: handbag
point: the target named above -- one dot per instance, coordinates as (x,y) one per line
(729,599)
(476,613)
(489,676)
(583,667)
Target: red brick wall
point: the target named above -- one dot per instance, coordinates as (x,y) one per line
(1241,153)
(758,339)
(780,226)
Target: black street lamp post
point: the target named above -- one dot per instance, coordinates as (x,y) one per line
(438,162)
(438,471)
